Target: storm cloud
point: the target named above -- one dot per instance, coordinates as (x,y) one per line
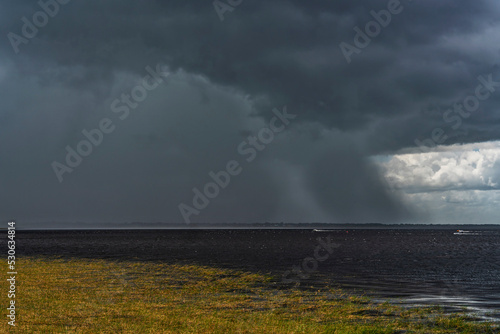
(224,79)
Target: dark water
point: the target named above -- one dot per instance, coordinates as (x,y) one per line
(423,266)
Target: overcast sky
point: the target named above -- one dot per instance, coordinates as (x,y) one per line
(319,115)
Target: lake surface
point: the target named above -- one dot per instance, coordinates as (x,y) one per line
(420,266)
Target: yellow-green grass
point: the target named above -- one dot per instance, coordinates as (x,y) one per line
(100,296)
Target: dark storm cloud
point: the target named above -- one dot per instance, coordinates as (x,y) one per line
(282,49)
(271,53)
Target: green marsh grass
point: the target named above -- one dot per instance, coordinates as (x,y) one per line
(57,295)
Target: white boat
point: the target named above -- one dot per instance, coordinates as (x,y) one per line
(462,232)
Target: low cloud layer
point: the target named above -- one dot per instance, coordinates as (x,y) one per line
(455,184)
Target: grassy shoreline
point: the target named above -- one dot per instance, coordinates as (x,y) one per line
(100,296)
